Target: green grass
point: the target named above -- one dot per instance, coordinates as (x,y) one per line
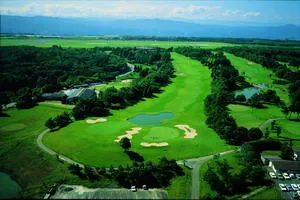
(161,134)
(180,187)
(85,42)
(270,193)
(205,189)
(117,85)
(93,144)
(33,169)
(252,117)
(257,74)
(294,69)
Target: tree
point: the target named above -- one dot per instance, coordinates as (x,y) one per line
(278,130)
(50,124)
(267,133)
(287,152)
(125,143)
(240,97)
(254,134)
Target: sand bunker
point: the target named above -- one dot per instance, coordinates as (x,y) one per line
(250,63)
(189,133)
(161,144)
(93,121)
(129,133)
(127,81)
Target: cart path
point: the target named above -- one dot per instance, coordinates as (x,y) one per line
(194,163)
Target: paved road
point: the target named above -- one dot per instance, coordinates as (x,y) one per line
(262,125)
(131,66)
(195,164)
(40,143)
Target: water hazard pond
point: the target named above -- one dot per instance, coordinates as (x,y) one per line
(8,187)
(249,92)
(151,119)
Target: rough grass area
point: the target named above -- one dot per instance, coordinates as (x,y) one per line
(257,74)
(93,144)
(83,42)
(21,158)
(180,187)
(117,85)
(270,193)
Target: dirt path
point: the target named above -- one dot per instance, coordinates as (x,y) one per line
(262,125)
(131,66)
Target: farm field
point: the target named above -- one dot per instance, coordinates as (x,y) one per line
(257,74)
(86,42)
(94,144)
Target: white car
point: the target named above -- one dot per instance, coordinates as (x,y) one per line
(282,187)
(295,187)
(298,192)
(298,176)
(272,175)
(286,176)
(133,189)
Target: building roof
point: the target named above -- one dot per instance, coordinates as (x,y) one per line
(285,165)
(271,157)
(80,93)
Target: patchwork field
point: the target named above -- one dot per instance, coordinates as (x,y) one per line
(94,144)
(88,42)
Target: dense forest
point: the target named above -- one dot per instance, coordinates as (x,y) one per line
(270,58)
(50,69)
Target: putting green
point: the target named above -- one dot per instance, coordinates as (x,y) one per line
(93,144)
(13,127)
(150,119)
(160,134)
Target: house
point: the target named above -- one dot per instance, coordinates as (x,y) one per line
(285,165)
(74,94)
(267,158)
(53,96)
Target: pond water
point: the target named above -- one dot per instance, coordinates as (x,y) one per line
(249,92)
(150,119)
(8,187)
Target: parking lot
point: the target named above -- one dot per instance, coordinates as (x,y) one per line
(287,194)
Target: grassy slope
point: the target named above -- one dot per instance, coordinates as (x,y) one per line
(89,43)
(252,117)
(270,193)
(256,74)
(180,187)
(22,159)
(94,145)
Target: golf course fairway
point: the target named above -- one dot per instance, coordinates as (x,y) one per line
(94,145)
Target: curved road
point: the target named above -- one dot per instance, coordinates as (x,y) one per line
(194,163)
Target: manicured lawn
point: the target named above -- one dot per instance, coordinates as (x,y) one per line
(252,117)
(257,74)
(180,187)
(117,85)
(84,42)
(93,144)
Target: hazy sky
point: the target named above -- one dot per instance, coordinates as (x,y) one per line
(254,11)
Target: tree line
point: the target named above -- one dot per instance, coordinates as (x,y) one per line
(225,79)
(30,71)
(138,174)
(268,57)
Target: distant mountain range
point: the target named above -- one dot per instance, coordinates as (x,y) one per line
(145,27)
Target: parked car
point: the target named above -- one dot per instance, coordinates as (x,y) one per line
(292,175)
(296,196)
(286,176)
(133,189)
(145,187)
(295,187)
(272,175)
(298,192)
(289,187)
(298,186)
(282,187)
(279,176)
(298,176)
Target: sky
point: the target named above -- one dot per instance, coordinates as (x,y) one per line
(256,11)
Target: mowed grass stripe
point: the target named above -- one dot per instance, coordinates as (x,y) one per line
(93,144)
